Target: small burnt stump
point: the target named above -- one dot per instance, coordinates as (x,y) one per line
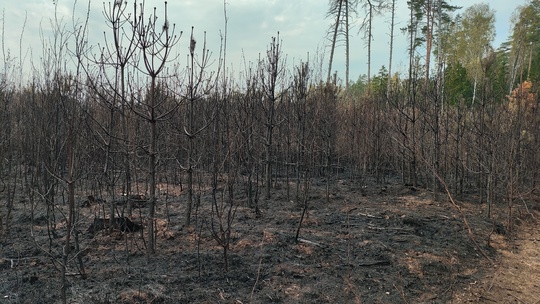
(91,200)
(136,200)
(123,224)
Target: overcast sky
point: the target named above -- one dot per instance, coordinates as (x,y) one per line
(301,23)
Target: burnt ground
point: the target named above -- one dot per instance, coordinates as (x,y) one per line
(365,244)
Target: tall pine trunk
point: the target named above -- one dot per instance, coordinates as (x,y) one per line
(334,38)
(392,20)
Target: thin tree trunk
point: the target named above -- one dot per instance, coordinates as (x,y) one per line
(273,71)
(109,179)
(530,62)
(347,53)
(152,169)
(391,47)
(71,209)
(411,97)
(190,141)
(336,27)
(438,103)
(474,91)
(369,46)
(268,161)
(429,41)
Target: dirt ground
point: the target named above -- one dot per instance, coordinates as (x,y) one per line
(516,276)
(366,243)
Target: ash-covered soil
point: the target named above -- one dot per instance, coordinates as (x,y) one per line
(363,243)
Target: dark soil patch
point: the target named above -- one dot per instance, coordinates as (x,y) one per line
(363,245)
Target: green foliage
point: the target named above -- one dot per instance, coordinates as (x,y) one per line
(458,86)
(527,25)
(379,83)
(473,38)
(420,8)
(498,72)
(526,42)
(359,87)
(534,72)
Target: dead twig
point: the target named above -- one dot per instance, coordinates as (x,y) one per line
(304,209)
(372,227)
(256,280)
(401,290)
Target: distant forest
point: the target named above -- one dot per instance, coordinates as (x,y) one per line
(122,119)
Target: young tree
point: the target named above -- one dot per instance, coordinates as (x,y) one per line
(107,80)
(271,71)
(156,42)
(301,82)
(121,55)
(63,161)
(199,84)
(247,118)
(8,141)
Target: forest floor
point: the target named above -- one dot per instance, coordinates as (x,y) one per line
(364,243)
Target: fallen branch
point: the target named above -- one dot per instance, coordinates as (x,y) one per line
(300,240)
(375,263)
(458,208)
(389,228)
(463,217)
(370,215)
